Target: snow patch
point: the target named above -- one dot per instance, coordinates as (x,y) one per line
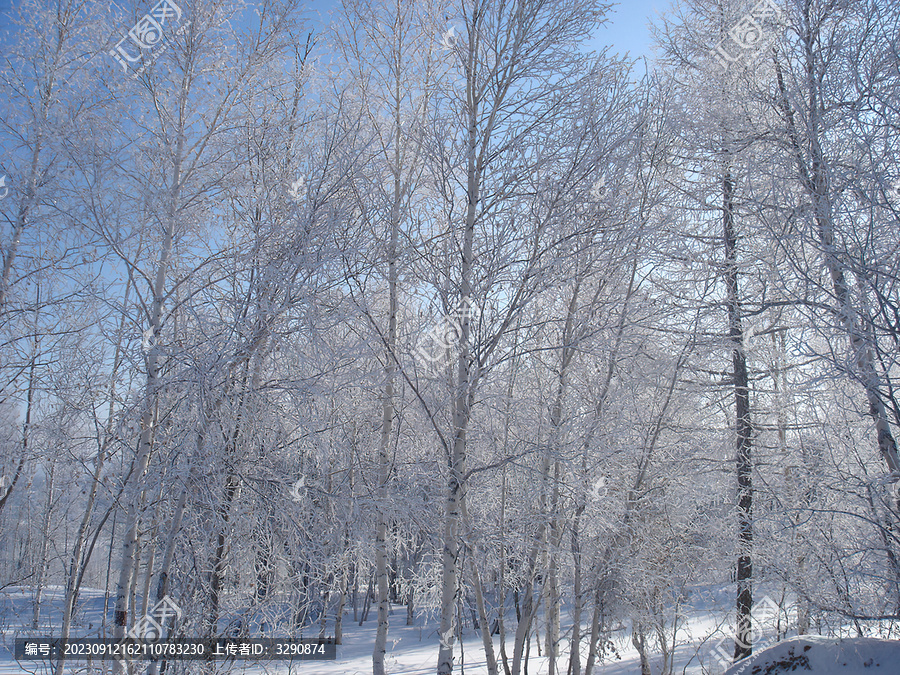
(819,655)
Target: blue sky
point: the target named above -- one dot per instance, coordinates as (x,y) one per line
(626,30)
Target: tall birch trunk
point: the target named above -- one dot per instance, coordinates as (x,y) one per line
(150,394)
(162,582)
(387,416)
(813,169)
(484,623)
(743,429)
(43,563)
(552,606)
(594,639)
(577,593)
(342,601)
(76,563)
(463,393)
(556,416)
(455,491)
(462,401)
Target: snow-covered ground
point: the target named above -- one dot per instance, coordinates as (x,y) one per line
(412,650)
(819,655)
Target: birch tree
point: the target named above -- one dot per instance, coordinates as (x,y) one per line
(392,60)
(496,109)
(185,136)
(42,79)
(809,125)
(703,51)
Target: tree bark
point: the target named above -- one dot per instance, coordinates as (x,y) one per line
(813,169)
(162,582)
(743,429)
(387,411)
(577,594)
(594,640)
(483,622)
(150,394)
(463,393)
(342,601)
(218,563)
(639,640)
(43,563)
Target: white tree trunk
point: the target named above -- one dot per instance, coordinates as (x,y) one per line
(76,564)
(43,563)
(387,427)
(813,170)
(148,416)
(483,618)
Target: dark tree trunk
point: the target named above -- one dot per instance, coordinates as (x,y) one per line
(742,643)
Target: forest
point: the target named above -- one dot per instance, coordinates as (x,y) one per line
(320,317)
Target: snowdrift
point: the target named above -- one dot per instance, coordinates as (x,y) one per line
(819,655)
